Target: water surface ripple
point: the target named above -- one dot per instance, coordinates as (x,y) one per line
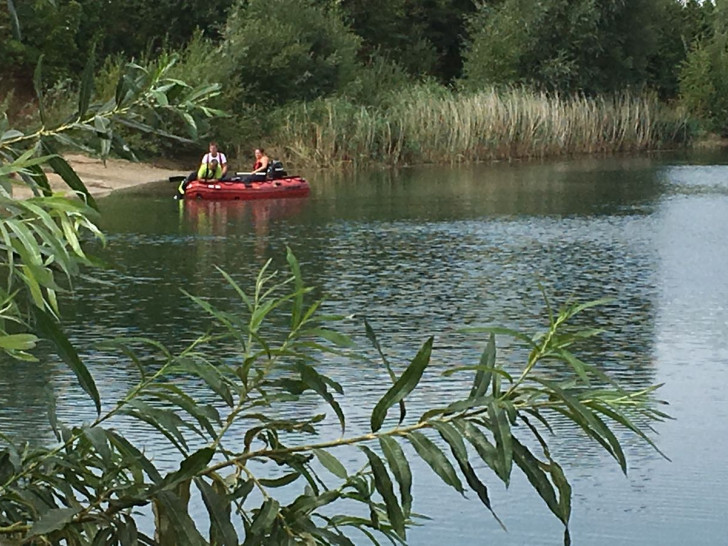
(432,251)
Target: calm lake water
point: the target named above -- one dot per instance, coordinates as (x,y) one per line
(432,250)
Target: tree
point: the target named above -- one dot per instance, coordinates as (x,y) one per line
(444,25)
(679,28)
(566,46)
(39,29)
(704,74)
(287,50)
(388,29)
(422,36)
(135,27)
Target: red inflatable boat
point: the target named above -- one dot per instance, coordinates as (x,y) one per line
(289,186)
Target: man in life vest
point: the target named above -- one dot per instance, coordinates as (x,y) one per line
(210,171)
(213,154)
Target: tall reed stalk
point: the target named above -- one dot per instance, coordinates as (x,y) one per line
(429,124)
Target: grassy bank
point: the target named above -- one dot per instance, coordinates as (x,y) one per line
(429,124)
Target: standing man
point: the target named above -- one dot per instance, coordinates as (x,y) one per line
(213,153)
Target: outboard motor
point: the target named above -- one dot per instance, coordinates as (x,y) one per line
(275,170)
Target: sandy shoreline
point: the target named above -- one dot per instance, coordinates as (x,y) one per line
(102,179)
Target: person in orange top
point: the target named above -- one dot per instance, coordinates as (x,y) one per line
(260,168)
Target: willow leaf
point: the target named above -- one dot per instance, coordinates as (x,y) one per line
(49,329)
(280,482)
(262,522)
(436,459)
(372,337)
(400,469)
(18,342)
(486,450)
(576,309)
(403,386)
(165,421)
(531,467)
(504,331)
(97,437)
(218,507)
(383,484)
(176,512)
(337,338)
(203,414)
(484,373)
(210,375)
(453,438)
(131,453)
(24,243)
(564,487)
(61,167)
(589,422)
(53,520)
(128,533)
(38,85)
(577,365)
(11,135)
(15,22)
(624,420)
(189,468)
(297,311)
(331,463)
(304,505)
(502,433)
(106,536)
(87,82)
(242,490)
(317,382)
(39,177)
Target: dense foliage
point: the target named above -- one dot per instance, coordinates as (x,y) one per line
(704,77)
(270,55)
(286,50)
(583,45)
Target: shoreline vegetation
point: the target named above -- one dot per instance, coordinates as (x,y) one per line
(427,125)
(434,125)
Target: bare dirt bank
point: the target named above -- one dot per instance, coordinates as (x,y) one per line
(101,179)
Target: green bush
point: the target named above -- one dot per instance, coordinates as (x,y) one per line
(704,82)
(285,50)
(579,46)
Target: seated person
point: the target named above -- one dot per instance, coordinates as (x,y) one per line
(260,168)
(210,171)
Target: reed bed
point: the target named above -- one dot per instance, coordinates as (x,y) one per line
(432,125)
